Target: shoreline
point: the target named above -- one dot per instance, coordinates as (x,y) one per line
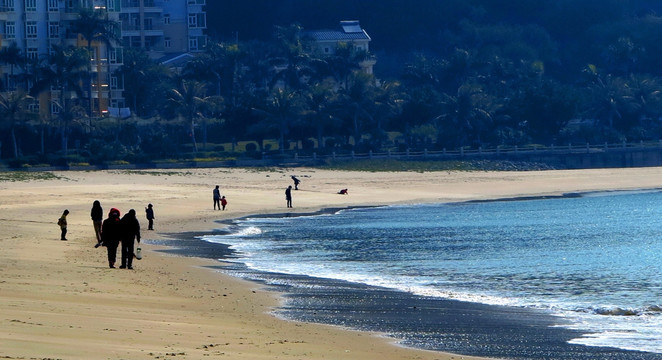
(59,300)
(538,327)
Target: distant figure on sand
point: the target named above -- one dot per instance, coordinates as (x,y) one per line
(343,192)
(130,232)
(97,219)
(217,198)
(149,214)
(223,202)
(296,182)
(288,196)
(111,233)
(62,221)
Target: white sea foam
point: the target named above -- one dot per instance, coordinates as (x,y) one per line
(572,258)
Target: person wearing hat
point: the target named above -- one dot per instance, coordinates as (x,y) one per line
(111,233)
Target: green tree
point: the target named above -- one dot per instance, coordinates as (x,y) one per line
(94,26)
(280,110)
(188,101)
(468,115)
(15,112)
(65,69)
(12,56)
(144,81)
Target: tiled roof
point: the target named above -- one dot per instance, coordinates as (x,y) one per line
(349,30)
(335,35)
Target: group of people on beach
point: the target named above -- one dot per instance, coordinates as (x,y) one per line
(114,231)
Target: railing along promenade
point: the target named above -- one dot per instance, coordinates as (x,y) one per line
(486,153)
(571,156)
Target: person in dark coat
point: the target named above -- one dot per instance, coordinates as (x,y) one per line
(62,222)
(111,233)
(130,232)
(149,214)
(296,182)
(217,197)
(288,196)
(97,219)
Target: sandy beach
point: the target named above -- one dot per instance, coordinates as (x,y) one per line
(59,299)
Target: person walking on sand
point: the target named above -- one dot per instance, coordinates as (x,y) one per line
(62,221)
(111,232)
(217,198)
(288,196)
(130,232)
(149,214)
(224,202)
(296,182)
(97,219)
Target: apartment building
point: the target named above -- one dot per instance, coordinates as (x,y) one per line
(162,27)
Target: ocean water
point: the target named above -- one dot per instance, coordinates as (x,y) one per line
(594,261)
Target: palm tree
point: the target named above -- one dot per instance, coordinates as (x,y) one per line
(188,101)
(142,76)
(94,26)
(66,67)
(358,103)
(280,110)
(12,56)
(319,99)
(469,113)
(14,111)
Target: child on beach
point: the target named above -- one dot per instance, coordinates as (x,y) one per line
(149,214)
(223,202)
(62,221)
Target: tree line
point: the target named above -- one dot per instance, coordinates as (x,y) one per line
(484,83)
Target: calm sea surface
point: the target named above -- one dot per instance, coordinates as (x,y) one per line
(594,260)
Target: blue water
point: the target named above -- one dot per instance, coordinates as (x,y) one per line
(595,260)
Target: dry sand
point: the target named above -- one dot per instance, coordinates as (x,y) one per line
(59,299)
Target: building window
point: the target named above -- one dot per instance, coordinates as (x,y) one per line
(53,5)
(167,43)
(193,44)
(31,5)
(196,20)
(55,108)
(196,2)
(34,107)
(9,4)
(31,29)
(10,30)
(113,82)
(53,30)
(112,56)
(166,19)
(32,53)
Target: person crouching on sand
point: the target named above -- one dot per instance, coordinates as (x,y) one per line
(111,232)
